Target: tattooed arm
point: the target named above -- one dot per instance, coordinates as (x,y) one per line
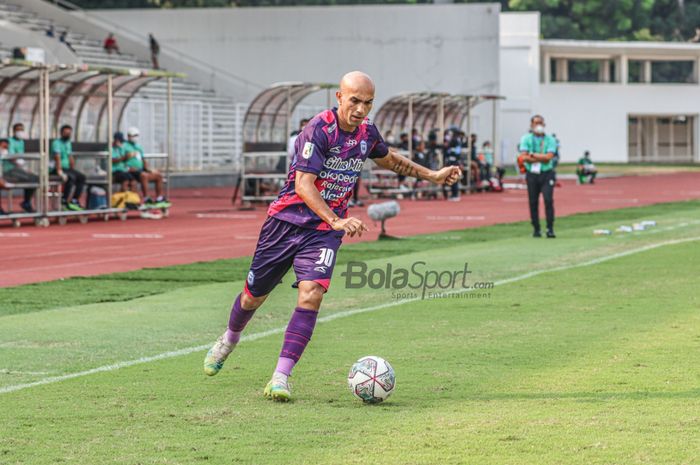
(399,164)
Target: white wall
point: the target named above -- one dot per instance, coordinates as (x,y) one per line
(593,116)
(450,48)
(519,76)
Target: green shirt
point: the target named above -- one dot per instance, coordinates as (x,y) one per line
(135,162)
(118,152)
(16,146)
(64,149)
(540,145)
(584,161)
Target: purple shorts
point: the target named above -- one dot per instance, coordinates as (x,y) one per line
(282,245)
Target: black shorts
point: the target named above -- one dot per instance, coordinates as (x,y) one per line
(121,176)
(135,175)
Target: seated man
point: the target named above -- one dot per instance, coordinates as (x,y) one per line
(138,169)
(13,170)
(62,163)
(120,175)
(586,169)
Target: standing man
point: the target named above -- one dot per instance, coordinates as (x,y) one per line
(14,171)
(306,223)
(155,50)
(63,164)
(537,152)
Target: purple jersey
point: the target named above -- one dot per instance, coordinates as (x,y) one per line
(336,157)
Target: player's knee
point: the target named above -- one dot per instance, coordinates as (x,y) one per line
(250,302)
(310,294)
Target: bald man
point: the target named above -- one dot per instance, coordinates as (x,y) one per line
(306,223)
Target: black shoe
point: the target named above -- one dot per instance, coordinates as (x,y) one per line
(3,212)
(537,233)
(27,207)
(550,234)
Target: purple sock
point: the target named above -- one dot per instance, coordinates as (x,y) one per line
(297,336)
(237,321)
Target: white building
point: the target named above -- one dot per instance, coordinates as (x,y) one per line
(623,101)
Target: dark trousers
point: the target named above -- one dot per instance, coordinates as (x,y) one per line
(75,183)
(541,183)
(19,176)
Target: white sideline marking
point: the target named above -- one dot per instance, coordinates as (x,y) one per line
(127,236)
(15,234)
(228,216)
(335,316)
(455,218)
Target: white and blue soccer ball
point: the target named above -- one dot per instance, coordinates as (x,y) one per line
(371,379)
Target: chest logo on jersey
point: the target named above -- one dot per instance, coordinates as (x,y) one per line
(336,149)
(331,128)
(363,147)
(308,150)
(351,143)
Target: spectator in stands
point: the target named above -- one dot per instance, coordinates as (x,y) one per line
(416,138)
(63,38)
(13,169)
(293,138)
(110,44)
(19,53)
(120,175)
(453,157)
(403,141)
(155,50)
(139,171)
(4,151)
(390,139)
(586,169)
(63,164)
(536,152)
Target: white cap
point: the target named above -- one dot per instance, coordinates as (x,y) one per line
(132,132)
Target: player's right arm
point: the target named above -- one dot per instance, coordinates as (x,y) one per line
(305,188)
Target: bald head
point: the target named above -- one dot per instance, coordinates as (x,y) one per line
(355,98)
(357,81)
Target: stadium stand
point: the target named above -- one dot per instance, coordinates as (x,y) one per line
(217,123)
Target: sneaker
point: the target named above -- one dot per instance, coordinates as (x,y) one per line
(27,207)
(162,202)
(278,388)
(217,355)
(537,233)
(3,212)
(454,199)
(550,234)
(74,206)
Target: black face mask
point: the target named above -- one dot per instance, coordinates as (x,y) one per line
(65,138)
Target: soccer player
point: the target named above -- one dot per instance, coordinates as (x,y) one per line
(307,221)
(537,152)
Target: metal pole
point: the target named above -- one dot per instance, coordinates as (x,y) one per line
(47,130)
(110,129)
(441,125)
(169,136)
(469,145)
(494,132)
(410,126)
(42,206)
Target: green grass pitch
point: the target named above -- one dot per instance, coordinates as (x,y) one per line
(585,352)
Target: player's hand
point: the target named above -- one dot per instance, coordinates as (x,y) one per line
(64,176)
(350,225)
(448,175)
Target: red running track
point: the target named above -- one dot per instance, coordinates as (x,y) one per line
(204,226)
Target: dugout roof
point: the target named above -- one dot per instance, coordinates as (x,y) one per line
(424,109)
(78,96)
(268,119)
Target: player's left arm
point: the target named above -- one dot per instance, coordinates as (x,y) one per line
(399,164)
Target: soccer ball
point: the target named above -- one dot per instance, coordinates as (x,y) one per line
(371,379)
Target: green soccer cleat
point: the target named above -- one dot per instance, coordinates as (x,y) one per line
(278,389)
(217,355)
